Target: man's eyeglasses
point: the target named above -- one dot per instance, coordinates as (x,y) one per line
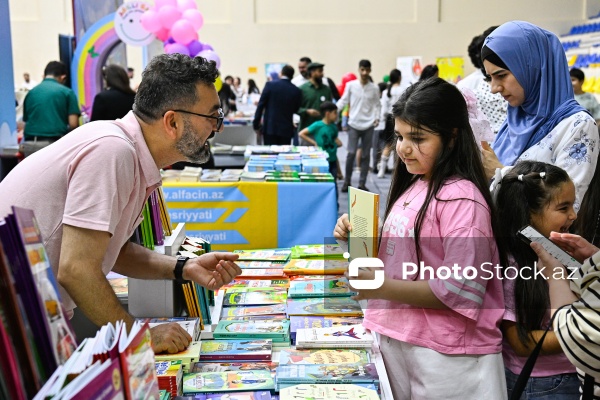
(219,119)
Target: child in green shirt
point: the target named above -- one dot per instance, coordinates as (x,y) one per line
(324,133)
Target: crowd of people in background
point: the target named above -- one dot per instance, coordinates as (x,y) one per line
(514,143)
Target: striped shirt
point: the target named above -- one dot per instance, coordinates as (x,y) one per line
(578,325)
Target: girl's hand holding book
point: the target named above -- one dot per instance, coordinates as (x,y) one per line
(342,227)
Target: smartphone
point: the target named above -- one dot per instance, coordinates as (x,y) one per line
(528,234)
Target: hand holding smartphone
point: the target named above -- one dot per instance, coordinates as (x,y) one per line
(528,234)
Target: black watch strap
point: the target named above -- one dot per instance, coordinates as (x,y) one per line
(178,271)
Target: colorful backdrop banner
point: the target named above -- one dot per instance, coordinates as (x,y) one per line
(251,215)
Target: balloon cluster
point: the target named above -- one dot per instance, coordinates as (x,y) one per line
(176,23)
(345,79)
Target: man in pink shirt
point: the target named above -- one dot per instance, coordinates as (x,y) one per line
(88,190)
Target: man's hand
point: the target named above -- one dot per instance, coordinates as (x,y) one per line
(489,159)
(169,338)
(212,270)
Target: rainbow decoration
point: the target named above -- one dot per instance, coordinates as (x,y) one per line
(90,55)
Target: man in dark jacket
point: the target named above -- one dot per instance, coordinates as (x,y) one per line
(279,101)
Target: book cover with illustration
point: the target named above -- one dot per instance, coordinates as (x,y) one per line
(338,287)
(351,336)
(252,283)
(234,366)
(269,273)
(254,298)
(288,375)
(331,306)
(330,251)
(199,382)
(323,356)
(330,392)
(313,321)
(256,289)
(315,267)
(277,330)
(259,264)
(239,350)
(257,395)
(246,311)
(363,213)
(278,255)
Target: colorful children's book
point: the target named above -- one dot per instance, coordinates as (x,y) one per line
(310,321)
(264,318)
(255,289)
(252,283)
(269,273)
(329,392)
(363,213)
(137,362)
(289,375)
(338,287)
(170,375)
(276,330)
(253,310)
(254,298)
(323,356)
(331,251)
(259,264)
(257,395)
(315,267)
(280,255)
(352,336)
(199,382)
(238,350)
(234,366)
(187,357)
(331,306)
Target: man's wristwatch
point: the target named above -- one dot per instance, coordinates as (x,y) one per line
(178,271)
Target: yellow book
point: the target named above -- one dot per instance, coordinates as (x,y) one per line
(364,217)
(315,267)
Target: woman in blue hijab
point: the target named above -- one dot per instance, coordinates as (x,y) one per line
(528,67)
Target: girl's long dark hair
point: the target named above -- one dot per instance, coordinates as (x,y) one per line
(117,78)
(438,106)
(516,201)
(395,77)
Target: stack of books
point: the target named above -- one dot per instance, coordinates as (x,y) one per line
(170,375)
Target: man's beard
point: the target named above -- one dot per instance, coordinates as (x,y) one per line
(191,146)
(305,74)
(318,80)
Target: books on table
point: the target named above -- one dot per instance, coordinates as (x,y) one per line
(315,267)
(256,298)
(363,213)
(187,357)
(331,251)
(277,330)
(323,356)
(238,350)
(289,375)
(324,286)
(203,382)
(331,306)
(256,283)
(234,366)
(351,336)
(246,311)
(276,255)
(330,392)
(257,395)
(314,321)
(190,324)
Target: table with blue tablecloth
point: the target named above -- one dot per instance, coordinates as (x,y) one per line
(252,215)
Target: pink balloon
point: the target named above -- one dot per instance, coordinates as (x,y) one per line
(150,21)
(176,48)
(183,5)
(158,4)
(168,16)
(183,32)
(162,34)
(194,17)
(211,56)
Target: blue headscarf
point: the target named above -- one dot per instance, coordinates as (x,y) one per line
(537,60)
